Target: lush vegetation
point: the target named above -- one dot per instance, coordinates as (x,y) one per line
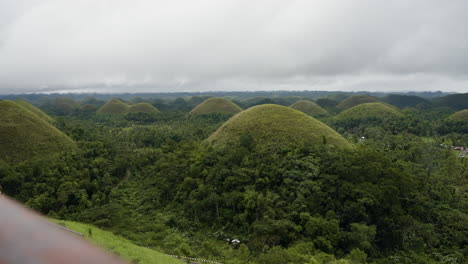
(118,245)
(310,108)
(25,135)
(216,106)
(398,196)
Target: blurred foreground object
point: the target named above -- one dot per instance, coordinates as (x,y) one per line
(26,237)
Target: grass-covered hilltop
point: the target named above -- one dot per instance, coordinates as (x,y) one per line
(35,110)
(460,116)
(25,135)
(116,106)
(310,108)
(142,108)
(271,126)
(372,184)
(370,111)
(356,100)
(216,106)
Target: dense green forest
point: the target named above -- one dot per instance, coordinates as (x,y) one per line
(399,194)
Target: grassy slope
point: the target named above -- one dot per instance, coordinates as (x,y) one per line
(216,105)
(356,100)
(114,106)
(370,110)
(460,116)
(272,125)
(142,108)
(35,110)
(25,135)
(121,246)
(310,108)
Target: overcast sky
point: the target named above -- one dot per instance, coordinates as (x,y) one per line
(202,45)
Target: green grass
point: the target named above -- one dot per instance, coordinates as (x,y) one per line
(25,135)
(35,110)
(216,106)
(271,126)
(356,100)
(114,106)
(142,108)
(460,116)
(370,110)
(309,108)
(118,245)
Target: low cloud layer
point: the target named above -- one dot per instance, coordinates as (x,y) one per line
(168,46)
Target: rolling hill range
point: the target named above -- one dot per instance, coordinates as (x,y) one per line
(26,135)
(115,106)
(356,100)
(370,111)
(402,101)
(272,126)
(216,106)
(309,108)
(454,101)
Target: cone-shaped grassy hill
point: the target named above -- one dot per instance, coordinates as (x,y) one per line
(310,108)
(65,105)
(356,100)
(460,116)
(272,126)
(114,106)
(142,108)
(370,111)
(35,110)
(216,106)
(25,135)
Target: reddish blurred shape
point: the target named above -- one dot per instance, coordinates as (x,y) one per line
(26,237)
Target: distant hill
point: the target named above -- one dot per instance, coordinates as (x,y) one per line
(63,105)
(118,245)
(309,108)
(35,110)
(356,100)
(271,126)
(460,116)
(114,106)
(216,105)
(25,135)
(454,101)
(402,101)
(370,111)
(142,108)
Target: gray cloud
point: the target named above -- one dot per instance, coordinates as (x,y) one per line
(118,45)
